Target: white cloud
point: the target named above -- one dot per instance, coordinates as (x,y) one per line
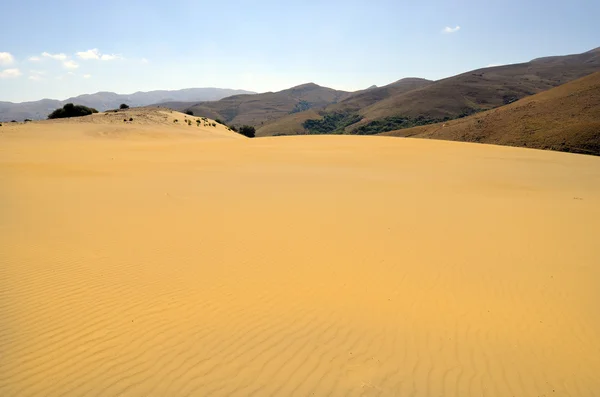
(35,77)
(144,60)
(95,53)
(9,73)
(448,29)
(70,64)
(110,57)
(35,59)
(89,54)
(58,57)
(6,58)
(87,76)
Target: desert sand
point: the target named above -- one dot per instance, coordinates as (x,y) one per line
(154,259)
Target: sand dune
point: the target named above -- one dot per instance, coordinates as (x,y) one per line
(293,266)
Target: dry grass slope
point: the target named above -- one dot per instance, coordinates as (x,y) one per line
(466,93)
(565,118)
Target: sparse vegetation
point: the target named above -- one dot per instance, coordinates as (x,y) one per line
(131,119)
(123,106)
(394,123)
(175,121)
(214,124)
(248,130)
(71,110)
(331,123)
(301,107)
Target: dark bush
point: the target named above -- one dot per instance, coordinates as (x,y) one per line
(234,128)
(27,120)
(189,112)
(124,106)
(214,124)
(220,121)
(248,130)
(131,119)
(70,110)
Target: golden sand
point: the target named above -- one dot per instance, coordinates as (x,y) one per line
(172,265)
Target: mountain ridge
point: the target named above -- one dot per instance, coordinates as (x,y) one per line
(104,100)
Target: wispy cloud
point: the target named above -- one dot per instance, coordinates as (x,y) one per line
(110,57)
(70,64)
(144,60)
(35,59)
(6,58)
(36,75)
(10,73)
(95,53)
(58,57)
(89,54)
(448,29)
(87,76)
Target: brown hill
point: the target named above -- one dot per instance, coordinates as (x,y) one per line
(292,124)
(565,118)
(456,96)
(259,109)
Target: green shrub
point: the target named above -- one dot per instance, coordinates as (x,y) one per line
(124,106)
(248,130)
(331,123)
(70,110)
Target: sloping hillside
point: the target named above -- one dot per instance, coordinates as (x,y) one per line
(565,118)
(293,124)
(456,96)
(259,109)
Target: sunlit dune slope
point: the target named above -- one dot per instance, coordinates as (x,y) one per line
(293,266)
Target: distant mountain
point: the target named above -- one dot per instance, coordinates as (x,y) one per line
(565,118)
(109,100)
(386,108)
(262,108)
(293,124)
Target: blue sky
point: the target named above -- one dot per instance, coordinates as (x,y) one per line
(58,49)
